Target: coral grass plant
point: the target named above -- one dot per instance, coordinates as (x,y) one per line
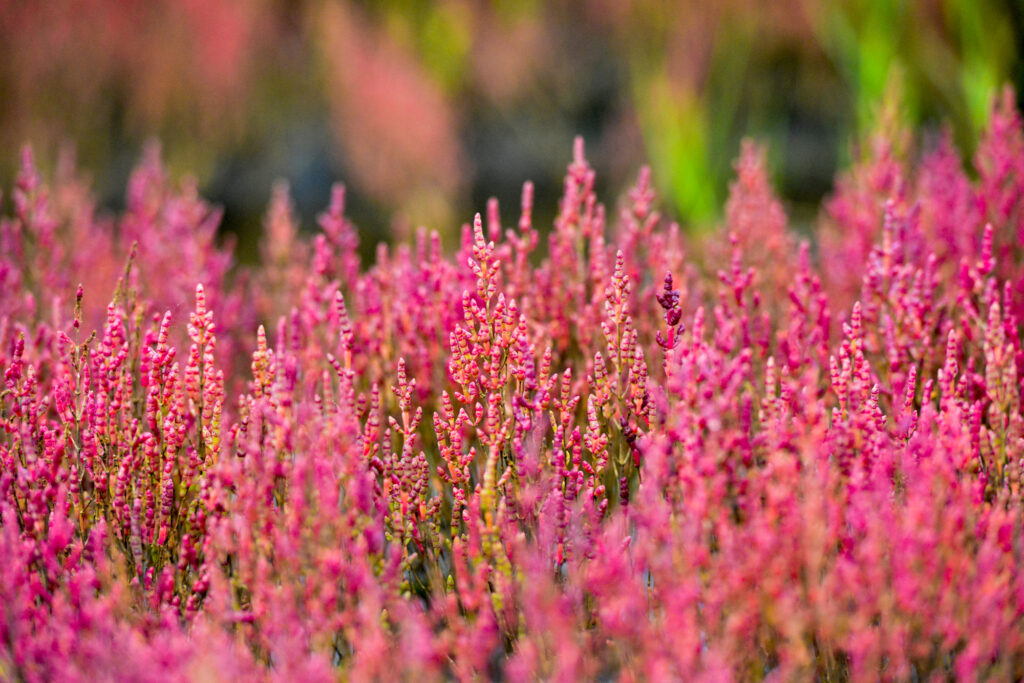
(633,454)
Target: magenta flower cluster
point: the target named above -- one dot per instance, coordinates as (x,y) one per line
(628,453)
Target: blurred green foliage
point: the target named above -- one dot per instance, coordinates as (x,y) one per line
(426,108)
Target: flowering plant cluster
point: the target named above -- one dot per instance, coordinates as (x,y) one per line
(628,454)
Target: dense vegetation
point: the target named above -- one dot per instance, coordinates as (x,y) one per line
(630,454)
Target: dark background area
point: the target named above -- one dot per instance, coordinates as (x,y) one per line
(426,109)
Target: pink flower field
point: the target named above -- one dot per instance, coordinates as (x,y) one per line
(604,449)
